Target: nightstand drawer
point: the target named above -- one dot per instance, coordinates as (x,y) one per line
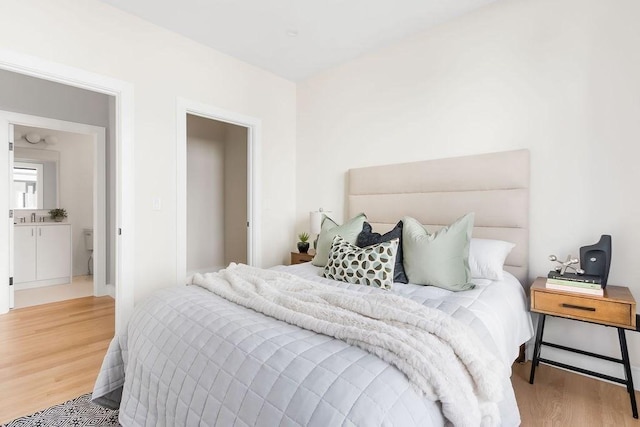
(299,258)
(598,310)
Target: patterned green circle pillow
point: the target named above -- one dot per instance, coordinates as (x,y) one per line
(371,266)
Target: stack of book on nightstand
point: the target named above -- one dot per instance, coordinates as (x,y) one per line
(570,282)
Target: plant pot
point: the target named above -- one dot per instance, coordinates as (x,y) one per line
(303,247)
(58,219)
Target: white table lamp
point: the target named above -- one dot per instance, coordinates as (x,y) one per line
(315,223)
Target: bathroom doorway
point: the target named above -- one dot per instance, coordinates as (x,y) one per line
(56,258)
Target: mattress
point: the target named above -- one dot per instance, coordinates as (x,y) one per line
(189,357)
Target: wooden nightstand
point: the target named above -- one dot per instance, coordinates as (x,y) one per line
(299,258)
(617,308)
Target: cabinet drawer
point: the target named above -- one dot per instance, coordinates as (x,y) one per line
(299,258)
(599,310)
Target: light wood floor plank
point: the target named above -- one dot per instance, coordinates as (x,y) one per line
(51,353)
(562,398)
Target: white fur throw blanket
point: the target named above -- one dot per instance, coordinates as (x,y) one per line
(439,355)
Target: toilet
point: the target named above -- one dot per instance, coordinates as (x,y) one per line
(88,244)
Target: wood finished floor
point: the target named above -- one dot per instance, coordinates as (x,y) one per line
(52,353)
(565,399)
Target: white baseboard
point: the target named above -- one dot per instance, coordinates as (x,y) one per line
(111,290)
(42,283)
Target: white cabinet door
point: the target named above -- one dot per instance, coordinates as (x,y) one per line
(24,254)
(53,251)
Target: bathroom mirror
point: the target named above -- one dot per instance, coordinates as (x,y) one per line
(35,178)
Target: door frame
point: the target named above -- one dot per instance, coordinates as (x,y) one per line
(254,133)
(124,199)
(99,197)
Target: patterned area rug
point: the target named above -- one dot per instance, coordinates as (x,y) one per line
(78,412)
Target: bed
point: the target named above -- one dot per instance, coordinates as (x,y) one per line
(192,357)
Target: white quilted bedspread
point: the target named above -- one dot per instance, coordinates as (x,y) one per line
(191,358)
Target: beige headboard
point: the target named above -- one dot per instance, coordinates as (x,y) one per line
(436,192)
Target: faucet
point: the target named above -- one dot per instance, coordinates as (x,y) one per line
(33,217)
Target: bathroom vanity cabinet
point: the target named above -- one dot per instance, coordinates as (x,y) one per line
(42,255)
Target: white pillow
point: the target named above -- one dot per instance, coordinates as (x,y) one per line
(486,258)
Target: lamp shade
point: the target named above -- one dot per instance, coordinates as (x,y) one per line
(315,220)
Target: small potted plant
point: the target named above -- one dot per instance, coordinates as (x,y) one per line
(303,244)
(58,215)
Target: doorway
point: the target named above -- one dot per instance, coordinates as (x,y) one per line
(123,208)
(55,261)
(224,147)
(216,194)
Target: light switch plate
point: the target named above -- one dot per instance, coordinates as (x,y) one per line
(157,204)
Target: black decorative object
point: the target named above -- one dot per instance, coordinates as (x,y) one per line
(595,260)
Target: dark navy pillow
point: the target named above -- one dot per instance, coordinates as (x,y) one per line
(368,238)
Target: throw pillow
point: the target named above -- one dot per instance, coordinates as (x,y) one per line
(487,257)
(367,238)
(440,259)
(349,231)
(371,266)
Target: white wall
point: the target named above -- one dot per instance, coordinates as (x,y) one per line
(205,194)
(163,66)
(557,77)
(235,193)
(43,98)
(112,214)
(76,192)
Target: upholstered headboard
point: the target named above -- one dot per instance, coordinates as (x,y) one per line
(436,192)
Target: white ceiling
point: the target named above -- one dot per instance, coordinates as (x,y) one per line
(329,32)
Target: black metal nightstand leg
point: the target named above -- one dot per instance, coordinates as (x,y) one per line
(536,348)
(627,371)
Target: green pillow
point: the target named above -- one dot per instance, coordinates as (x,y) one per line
(349,231)
(440,259)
